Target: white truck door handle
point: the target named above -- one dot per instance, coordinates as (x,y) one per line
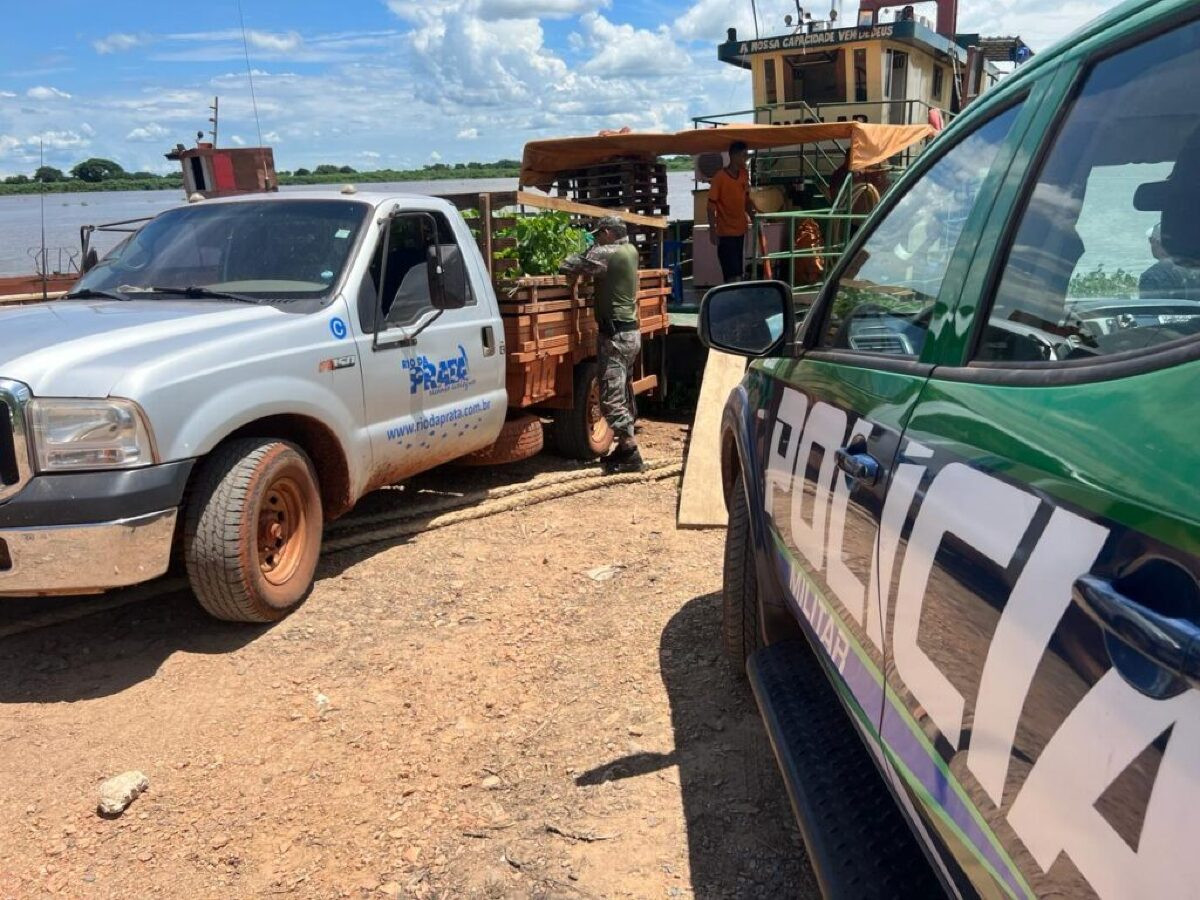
(489,341)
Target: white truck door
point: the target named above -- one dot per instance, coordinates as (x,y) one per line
(434,381)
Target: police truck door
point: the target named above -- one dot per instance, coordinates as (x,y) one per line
(841,408)
(1047,608)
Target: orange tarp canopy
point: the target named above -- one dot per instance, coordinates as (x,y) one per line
(869,144)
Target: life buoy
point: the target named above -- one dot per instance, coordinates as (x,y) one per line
(808,269)
(762,250)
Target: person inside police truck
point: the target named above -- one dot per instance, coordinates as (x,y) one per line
(1166,279)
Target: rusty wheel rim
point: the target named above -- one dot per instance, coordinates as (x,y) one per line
(599,425)
(282,531)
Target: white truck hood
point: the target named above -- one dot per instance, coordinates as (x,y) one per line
(82,349)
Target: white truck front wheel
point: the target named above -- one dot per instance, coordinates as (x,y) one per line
(252,534)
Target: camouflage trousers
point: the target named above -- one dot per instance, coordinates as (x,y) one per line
(616,355)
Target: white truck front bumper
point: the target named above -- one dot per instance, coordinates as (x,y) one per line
(80,559)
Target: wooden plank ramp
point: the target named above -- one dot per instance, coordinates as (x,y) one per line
(701,498)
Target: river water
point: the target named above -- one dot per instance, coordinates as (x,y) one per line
(20,216)
(1112,232)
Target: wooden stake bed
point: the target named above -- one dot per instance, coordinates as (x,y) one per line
(549,323)
(550,327)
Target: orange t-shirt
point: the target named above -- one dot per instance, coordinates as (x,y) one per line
(728,195)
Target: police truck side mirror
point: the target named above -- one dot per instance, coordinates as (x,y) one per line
(748,318)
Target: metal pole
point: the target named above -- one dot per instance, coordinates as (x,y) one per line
(42,195)
(215,117)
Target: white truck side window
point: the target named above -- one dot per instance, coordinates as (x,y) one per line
(405,297)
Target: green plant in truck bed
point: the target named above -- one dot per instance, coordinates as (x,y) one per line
(542,242)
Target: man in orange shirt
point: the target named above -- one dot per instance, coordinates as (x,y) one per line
(729,212)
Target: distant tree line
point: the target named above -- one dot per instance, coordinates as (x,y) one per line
(98,174)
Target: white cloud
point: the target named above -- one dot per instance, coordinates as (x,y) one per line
(237,140)
(7,95)
(272,137)
(435,157)
(623,51)
(468,134)
(151,132)
(87,129)
(369,154)
(42,92)
(58,140)
(116,43)
(274,42)
(1038,24)
(707,20)
(9,144)
(537,9)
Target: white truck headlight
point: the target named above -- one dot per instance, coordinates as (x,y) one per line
(71,435)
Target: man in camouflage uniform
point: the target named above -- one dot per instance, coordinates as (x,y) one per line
(613,262)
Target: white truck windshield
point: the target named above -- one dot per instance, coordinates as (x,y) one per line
(265,250)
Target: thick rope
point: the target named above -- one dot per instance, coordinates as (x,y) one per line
(465,510)
(440,513)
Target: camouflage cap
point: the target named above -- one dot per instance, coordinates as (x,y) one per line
(612,223)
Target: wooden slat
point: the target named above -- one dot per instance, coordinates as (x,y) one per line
(583,209)
(641,385)
(701,497)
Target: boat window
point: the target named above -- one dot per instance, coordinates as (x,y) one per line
(860,76)
(1106,258)
(769,80)
(884,299)
(815,78)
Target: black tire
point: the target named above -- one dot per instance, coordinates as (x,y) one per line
(741,629)
(252,532)
(581,432)
(520,438)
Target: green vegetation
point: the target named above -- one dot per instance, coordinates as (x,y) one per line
(331,174)
(1098,283)
(93,174)
(106,175)
(543,241)
(98,174)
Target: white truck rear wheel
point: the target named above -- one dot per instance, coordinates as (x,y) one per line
(581,431)
(252,536)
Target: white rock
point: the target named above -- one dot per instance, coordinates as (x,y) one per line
(117,793)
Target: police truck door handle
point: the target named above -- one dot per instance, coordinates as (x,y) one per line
(1173,644)
(856,462)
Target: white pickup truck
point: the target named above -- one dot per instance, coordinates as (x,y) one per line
(231,377)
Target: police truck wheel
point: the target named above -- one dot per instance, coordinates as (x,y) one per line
(252,533)
(581,432)
(741,630)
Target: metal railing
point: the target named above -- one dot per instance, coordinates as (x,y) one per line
(820,160)
(799,112)
(836,223)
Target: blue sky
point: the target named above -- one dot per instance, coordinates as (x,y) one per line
(398,83)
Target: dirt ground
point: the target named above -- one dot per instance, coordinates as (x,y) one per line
(464,713)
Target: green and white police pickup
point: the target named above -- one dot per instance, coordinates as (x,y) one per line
(963,562)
